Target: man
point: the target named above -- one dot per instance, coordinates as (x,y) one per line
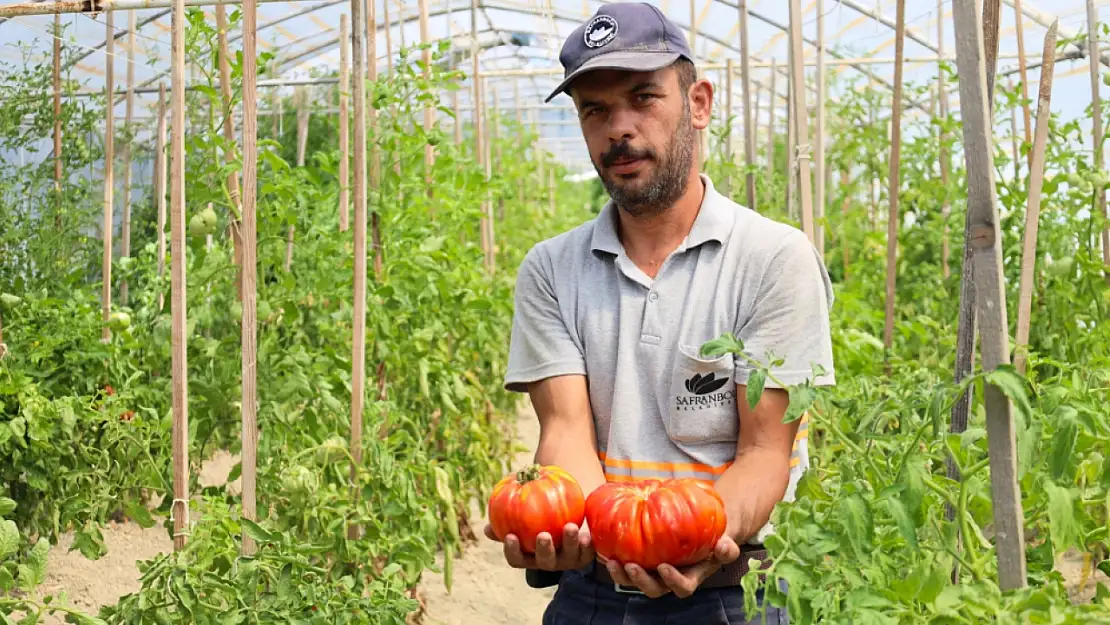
(610,317)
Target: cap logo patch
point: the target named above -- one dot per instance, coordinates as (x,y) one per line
(600,31)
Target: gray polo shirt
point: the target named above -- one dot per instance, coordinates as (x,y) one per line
(660,409)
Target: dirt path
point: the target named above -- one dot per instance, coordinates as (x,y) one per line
(485,590)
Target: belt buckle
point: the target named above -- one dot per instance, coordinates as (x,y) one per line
(628,590)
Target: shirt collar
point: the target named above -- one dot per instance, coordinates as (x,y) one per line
(713,223)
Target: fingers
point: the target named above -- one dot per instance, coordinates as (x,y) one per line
(546,556)
(635,575)
(726,550)
(682,584)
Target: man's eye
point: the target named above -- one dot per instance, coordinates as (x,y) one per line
(644,97)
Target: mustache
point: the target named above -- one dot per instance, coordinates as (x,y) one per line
(624,150)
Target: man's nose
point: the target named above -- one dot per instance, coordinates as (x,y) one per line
(622,126)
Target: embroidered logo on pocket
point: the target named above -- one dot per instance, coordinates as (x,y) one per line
(705,392)
(703,385)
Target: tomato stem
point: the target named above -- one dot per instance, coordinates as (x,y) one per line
(527,474)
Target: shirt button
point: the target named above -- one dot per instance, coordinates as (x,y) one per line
(653,296)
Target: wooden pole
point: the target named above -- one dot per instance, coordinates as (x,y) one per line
(986,253)
(520,124)
(358,348)
(801,124)
(429,121)
(792,178)
(109,143)
(388,38)
(1019,18)
(301,98)
(745,96)
(968,315)
(771,125)
(1033,205)
(160,187)
(58,119)
(344,122)
(375,169)
(942,106)
(249,329)
(895,184)
(179,342)
(487,160)
(819,169)
(495,148)
(1096,130)
(125,234)
(754,132)
(235,223)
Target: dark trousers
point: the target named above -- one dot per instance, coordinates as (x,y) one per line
(582,600)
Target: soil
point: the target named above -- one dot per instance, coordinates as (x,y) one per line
(485,590)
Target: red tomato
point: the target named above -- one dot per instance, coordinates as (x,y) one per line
(533,500)
(651,522)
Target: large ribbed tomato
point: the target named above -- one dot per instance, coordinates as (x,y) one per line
(651,522)
(533,500)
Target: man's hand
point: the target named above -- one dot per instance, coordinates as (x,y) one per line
(577,550)
(667,579)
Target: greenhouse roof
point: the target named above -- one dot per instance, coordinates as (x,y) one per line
(519,42)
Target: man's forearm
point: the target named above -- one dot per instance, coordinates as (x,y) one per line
(750,488)
(578,457)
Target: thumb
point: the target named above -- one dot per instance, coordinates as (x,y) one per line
(726,550)
(488,530)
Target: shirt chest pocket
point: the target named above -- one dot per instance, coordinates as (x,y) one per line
(701,404)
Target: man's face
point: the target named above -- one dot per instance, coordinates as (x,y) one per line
(641,131)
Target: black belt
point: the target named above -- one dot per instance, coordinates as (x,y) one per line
(727,576)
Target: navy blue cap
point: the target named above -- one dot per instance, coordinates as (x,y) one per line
(633,36)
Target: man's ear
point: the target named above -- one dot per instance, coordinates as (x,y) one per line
(701,103)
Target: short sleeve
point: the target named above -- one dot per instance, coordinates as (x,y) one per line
(540,344)
(790,317)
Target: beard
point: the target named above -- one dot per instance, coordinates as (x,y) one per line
(668,181)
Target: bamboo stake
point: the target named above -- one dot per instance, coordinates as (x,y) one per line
(1014,139)
(302,123)
(358,348)
(791,146)
(344,122)
(844,182)
(109,144)
(160,187)
(801,125)
(429,149)
(771,125)
(180,435)
(388,39)
(819,168)
(1033,205)
(727,119)
(1018,19)
(58,119)
(249,326)
(985,244)
(125,235)
(235,223)
(520,124)
(745,94)
(942,111)
(479,150)
(275,103)
(487,160)
(1096,130)
(895,184)
(495,147)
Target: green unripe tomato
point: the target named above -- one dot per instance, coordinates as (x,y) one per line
(119,321)
(197,227)
(210,219)
(9,301)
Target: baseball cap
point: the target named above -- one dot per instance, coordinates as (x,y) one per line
(633,36)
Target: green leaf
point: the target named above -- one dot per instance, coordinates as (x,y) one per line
(138,513)
(1014,385)
(905,524)
(257,532)
(90,542)
(755,386)
(801,398)
(1060,458)
(9,538)
(7,506)
(855,514)
(1063,527)
(724,344)
(6,581)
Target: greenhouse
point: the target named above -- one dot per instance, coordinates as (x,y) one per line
(301,300)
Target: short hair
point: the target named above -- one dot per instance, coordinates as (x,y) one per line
(687,73)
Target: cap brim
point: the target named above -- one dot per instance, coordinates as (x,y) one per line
(638,61)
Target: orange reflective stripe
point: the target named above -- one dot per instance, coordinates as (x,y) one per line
(635,478)
(663,466)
